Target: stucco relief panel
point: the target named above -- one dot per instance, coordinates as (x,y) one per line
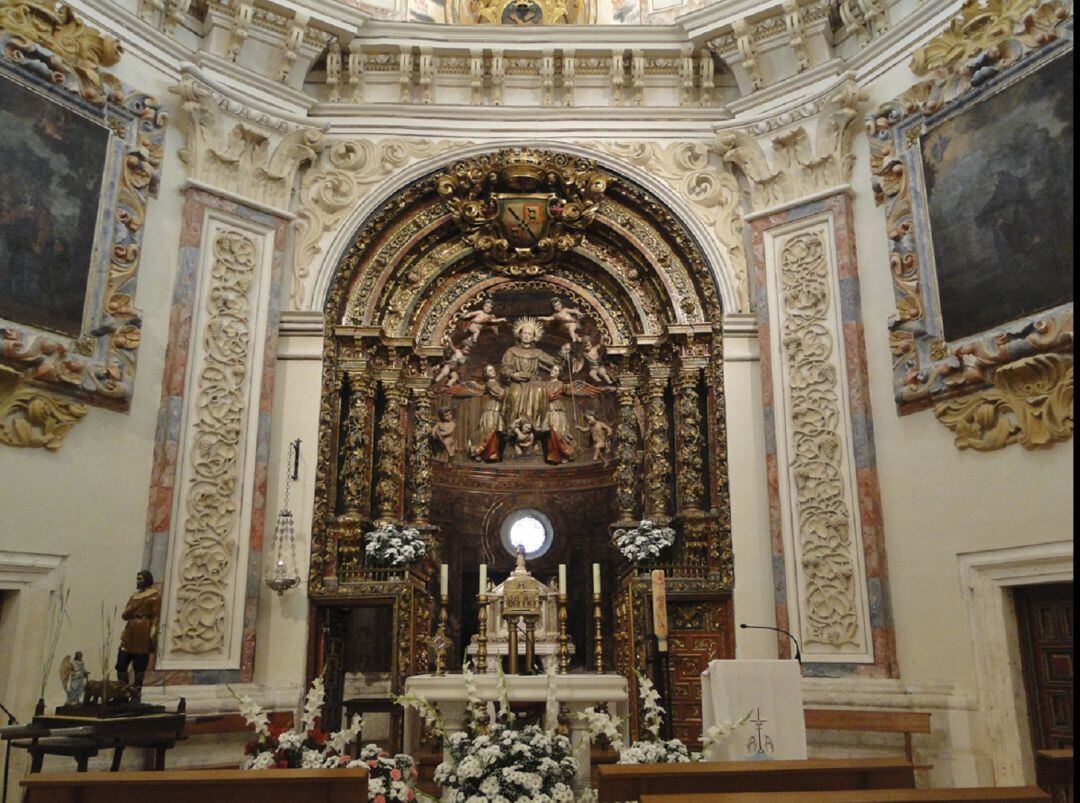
(203,618)
(814,448)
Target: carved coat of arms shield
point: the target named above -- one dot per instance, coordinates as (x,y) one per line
(524,219)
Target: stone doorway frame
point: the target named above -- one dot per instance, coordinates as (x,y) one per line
(986,578)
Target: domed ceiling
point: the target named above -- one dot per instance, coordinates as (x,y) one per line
(530,12)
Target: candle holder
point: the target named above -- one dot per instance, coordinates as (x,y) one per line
(598,637)
(481,635)
(441,643)
(564,650)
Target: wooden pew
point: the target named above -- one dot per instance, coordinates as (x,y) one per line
(180,786)
(620,782)
(1054,773)
(986,794)
(839,719)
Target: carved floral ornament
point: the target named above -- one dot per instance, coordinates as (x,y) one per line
(970,382)
(32,417)
(45,47)
(520,208)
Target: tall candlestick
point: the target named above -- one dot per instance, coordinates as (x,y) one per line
(483,578)
(598,638)
(562,579)
(563,649)
(481,635)
(596,578)
(444,579)
(659,609)
(441,642)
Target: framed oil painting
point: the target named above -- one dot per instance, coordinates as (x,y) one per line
(79,159)
(974,167)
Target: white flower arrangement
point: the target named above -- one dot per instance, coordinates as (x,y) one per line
(644,542)
(653,750)
(502,762)
(394,547)
(308,747)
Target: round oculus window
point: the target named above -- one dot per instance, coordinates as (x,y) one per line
(529,529)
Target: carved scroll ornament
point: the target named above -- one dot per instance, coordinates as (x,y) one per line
(520,208)
(31,417)
(823,518)
(211,500)
(1031,403)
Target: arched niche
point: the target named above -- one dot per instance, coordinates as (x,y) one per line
(523,328)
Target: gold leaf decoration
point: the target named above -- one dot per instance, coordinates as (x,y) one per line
(1031,403)
(33,418)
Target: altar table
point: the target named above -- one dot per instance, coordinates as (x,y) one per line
(576,692)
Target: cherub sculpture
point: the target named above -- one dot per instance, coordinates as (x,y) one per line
(479,318)
(599,435)
(444,430)
(524,436)
(569,318)
(594,353)
(456,358)
(73,676)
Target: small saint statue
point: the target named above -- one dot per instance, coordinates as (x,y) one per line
(73,676)
(139,639)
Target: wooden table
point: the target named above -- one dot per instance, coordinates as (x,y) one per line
(82,737)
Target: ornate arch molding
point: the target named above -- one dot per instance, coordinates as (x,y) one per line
(394,317)
(352,183)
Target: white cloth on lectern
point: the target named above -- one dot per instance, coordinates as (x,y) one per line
(772,692)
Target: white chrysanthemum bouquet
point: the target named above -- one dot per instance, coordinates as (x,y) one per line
(644,542)
(501,761)
(394,547)
(653,749)
(309,747)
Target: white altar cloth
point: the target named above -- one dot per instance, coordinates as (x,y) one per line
(576,691)
(772,692)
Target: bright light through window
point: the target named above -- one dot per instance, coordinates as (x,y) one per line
(528,532)
(528,528)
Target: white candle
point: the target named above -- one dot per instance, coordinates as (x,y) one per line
(483,578)
(562,579)
(444,579)
(596,578)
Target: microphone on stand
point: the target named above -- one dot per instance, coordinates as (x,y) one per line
(798,654)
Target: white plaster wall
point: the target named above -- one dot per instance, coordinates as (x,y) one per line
(88,501)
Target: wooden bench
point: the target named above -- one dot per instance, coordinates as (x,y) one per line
(619,782)
(1054,773)
(839,719)
(184,786)
(994,794)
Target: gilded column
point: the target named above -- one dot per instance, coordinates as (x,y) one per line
(657,445)
(689,463)
(390,476)
(628,454)
(420,455)
(356,447)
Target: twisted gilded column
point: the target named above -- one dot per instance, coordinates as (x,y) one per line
(390,468)
(689,461)
(356,446)
(420,455)
(657,444)
(628,453)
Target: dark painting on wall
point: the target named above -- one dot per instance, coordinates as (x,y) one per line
(52,160)
(999,185)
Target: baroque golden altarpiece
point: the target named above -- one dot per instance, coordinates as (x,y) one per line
(523,329)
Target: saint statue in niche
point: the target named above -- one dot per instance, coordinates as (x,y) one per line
(526,395)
